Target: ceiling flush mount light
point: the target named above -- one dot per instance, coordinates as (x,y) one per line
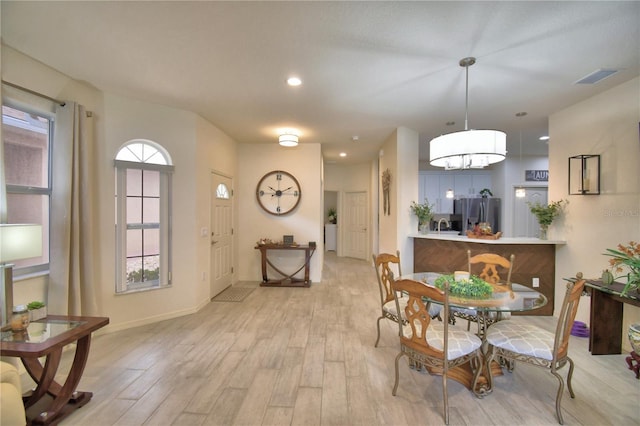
(294,81)
(288,139)
(343,154)
(468,149)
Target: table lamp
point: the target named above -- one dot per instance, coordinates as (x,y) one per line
(17,241)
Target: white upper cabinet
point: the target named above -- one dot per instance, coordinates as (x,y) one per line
(434,185)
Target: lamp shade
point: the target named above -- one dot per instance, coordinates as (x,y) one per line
(288,139)
(20,241)
(468,149)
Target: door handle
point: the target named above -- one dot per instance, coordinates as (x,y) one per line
(213,242)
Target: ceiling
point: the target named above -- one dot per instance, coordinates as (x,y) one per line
(366,67)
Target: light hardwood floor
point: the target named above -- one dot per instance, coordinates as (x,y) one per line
(305,356)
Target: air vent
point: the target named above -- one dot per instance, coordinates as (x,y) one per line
(596,76)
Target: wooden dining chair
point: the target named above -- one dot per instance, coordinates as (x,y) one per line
(490,263)
(521,342)
(384,264)
(433,344)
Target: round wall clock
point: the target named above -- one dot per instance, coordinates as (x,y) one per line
(278,192)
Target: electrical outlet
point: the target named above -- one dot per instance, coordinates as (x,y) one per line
(536,282)
(204,232)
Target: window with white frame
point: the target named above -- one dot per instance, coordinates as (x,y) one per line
(27,136)
(143,216)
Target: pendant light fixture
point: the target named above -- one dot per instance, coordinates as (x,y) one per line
(468,149)
(520,192)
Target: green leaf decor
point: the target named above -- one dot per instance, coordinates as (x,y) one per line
(473,288)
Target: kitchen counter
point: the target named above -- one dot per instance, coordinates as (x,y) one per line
(433,235)
(535,259)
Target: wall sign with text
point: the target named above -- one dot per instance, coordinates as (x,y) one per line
(536,175)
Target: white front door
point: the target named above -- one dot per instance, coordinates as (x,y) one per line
(221,261)
(525,223)
(355,225)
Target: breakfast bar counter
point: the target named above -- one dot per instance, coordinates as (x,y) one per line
(535,259)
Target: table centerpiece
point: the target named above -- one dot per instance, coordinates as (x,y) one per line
(472,288)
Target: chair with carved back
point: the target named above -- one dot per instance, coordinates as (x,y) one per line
(490,263)
(521,342)
(434,344)
(385,263)
(384,271)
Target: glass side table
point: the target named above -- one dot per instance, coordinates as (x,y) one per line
(47,338)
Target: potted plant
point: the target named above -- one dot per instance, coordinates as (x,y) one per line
(624,258)
(424,212)
(333,215)
(546,214)
(486,193)
(37,310)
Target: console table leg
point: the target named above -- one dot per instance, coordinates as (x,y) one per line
(634,357)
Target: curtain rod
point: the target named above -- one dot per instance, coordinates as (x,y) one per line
(61,103)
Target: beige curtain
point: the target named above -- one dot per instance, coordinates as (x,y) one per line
(72,281)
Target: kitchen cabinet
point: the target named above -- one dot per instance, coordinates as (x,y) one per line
(434,185)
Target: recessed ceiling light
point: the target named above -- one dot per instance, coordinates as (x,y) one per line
(544,138)
(294,81)
(343,154)
(355,138)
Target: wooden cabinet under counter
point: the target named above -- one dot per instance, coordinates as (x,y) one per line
(534,258)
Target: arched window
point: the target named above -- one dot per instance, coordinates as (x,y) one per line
(143,194)
(222,191)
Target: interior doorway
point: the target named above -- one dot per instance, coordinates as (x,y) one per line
(330,230)
(355,220)
(221,234)
(525,224)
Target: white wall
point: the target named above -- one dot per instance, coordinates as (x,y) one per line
(305,223)
(388,223)
(400,153)
(607,124)
(196,147)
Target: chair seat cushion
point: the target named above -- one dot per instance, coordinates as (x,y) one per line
(390,307)
(461,342)
(522,338)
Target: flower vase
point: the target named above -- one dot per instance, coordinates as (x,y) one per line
(543,232)
(423,228)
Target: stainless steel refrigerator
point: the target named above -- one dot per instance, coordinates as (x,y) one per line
(476,210)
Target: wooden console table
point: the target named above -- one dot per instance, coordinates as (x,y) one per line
(288,280)
(606,316)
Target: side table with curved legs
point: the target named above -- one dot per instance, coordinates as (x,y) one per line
(287,280)
(47,338)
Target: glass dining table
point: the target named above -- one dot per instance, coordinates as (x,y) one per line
(504,299)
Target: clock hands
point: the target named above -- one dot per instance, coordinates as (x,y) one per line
(277,192)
